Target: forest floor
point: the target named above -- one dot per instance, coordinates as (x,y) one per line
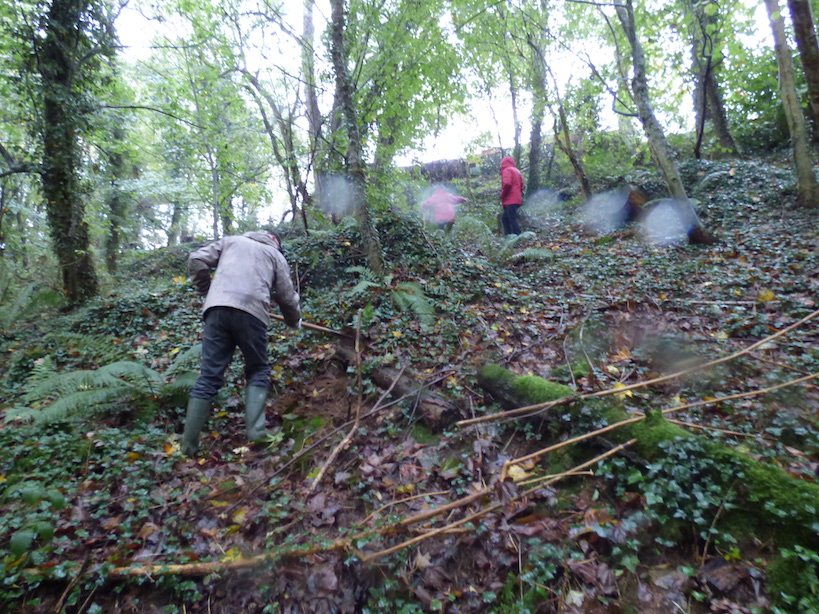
(116,520)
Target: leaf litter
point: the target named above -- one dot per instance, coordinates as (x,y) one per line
(598,316)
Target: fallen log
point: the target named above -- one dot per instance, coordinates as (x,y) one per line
(773,503)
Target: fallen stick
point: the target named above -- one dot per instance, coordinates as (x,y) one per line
(203,569)
(410,542)
(404,500)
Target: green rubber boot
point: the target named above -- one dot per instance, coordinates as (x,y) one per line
(197,416)
(255,413)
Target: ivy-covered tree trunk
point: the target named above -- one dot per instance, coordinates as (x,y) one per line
(354,161)
(660,150)
(719,119)
(805,177)
(805,34)
(4,197)
(59,61)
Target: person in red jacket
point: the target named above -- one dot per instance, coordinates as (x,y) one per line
(511,195)
(442,206)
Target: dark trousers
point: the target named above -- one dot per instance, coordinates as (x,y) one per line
(225,328)
(509,219)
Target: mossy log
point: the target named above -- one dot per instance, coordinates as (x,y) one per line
(773,502)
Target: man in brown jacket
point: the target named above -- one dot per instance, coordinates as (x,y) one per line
(249,269)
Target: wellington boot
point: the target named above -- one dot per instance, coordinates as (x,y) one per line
(198,413)
(255,413)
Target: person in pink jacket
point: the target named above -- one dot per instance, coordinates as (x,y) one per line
(511,195)
(442,206)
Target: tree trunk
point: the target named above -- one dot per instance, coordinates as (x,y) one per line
(561,125)
(116,201)
(310,100)
(805,35)
(538,113)
(513,92)
(355,164)
(62,191)
(3,209)
(308,68)
(287,159)
(660,150)
(535,144)
(22,229)
(174,232)
(719,119)
(805,177)
(708,103)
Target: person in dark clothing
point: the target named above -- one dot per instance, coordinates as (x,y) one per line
(511,196)
(249,268)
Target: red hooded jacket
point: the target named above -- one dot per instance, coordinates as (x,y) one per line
(511,183)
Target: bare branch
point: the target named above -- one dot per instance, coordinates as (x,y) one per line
(154,109)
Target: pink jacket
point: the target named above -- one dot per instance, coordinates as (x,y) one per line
(442,204)
(511,183)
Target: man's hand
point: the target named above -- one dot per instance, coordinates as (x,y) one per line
(299,324)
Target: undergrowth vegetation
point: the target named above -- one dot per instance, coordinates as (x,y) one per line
(92,485)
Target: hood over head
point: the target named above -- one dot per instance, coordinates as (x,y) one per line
(264,236)
(507,161)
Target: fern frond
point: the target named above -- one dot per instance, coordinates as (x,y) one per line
(363,272)
(182,384)
(20,413)
(131,371)
(190,356)
(43,369)
(361,286)
(81,402)
(472,232)
(409,296)
(108,387)
(10,313)
(532,254)
(56,385)
(511,243)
